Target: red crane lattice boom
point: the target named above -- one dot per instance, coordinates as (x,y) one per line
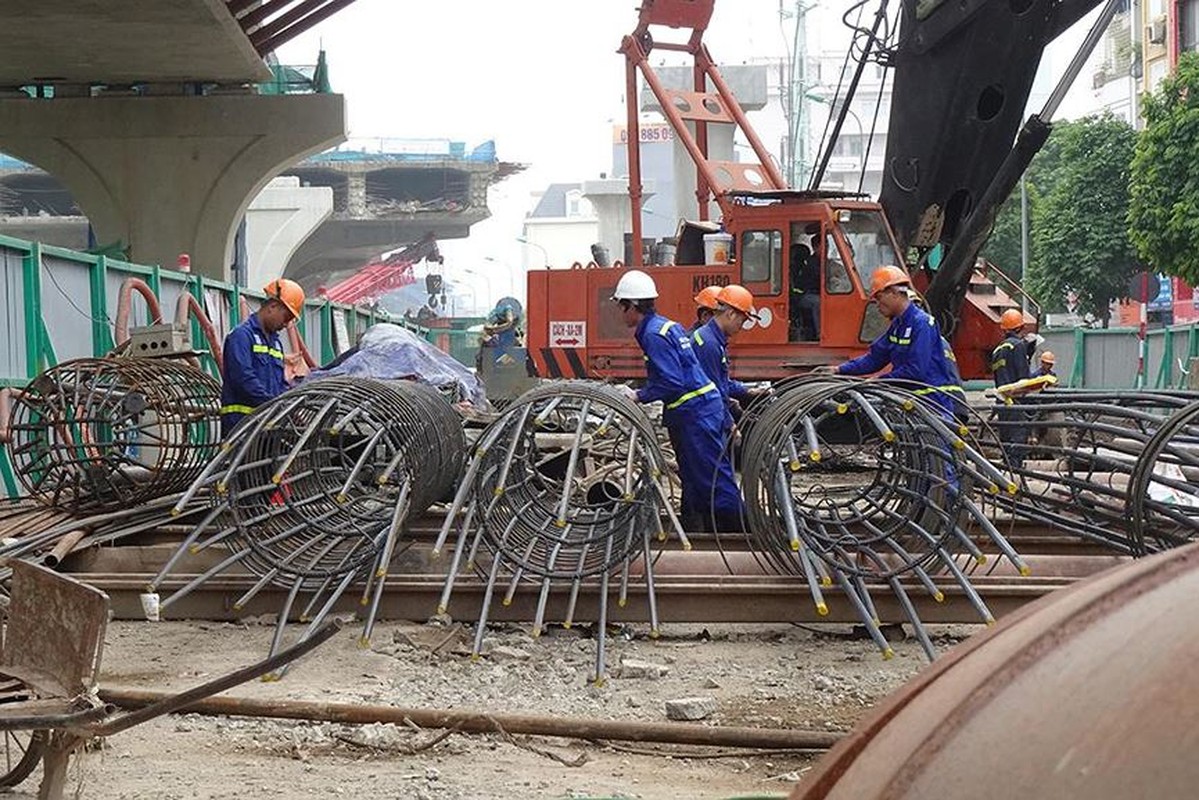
(379,277)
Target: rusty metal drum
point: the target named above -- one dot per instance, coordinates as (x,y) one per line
(1092,692)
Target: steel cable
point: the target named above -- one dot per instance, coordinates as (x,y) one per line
(565,487)
(864,486)
(312,491)
(103,434)
(1085,460)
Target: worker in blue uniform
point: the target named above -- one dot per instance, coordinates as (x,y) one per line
(912,345)
(705,307)
(252,373)
(693,411)
(734,307)
(1010,364)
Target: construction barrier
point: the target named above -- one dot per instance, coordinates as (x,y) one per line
(59,305)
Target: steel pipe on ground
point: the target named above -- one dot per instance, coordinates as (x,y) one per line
(484,722)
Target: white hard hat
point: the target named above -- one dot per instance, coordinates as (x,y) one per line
(635,285)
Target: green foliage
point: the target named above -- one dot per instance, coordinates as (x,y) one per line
(1003,245)
(1080,240)
(1163,216)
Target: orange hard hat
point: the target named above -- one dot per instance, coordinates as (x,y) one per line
(886,277)
(287,292)
(1011,320)
(738,297)
(1048,358)
(707,297)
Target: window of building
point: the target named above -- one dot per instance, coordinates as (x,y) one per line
(573,203)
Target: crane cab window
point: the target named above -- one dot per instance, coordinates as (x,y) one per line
(869,242)
(762,259)
(836,276)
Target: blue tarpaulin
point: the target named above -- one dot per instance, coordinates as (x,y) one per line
(390,352)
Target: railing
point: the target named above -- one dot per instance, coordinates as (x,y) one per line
(1013,290)
(295,79)
(59,304)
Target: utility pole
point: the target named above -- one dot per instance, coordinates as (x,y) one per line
(1023,244)
(797,164)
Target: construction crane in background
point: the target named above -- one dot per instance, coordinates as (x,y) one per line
(379,277)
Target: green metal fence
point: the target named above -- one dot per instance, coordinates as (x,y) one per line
(59,304)
(1109,358)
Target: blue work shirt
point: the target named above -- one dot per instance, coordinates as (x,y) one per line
(252,373)
(673,374)
(1009,360)
(916,351)
(711,348)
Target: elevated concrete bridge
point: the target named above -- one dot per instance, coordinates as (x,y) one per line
(148,114)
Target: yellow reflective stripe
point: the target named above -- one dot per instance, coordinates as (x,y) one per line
(665,327)
(948,388)
(996,364)
(1002,345)
(236,409)
(699,340)
(896,340)
(691,395)
(262,348)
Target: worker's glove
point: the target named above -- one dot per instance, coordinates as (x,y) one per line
(825,369)
(1035,339)
(627,392)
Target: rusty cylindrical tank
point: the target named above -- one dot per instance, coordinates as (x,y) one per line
(1091,692)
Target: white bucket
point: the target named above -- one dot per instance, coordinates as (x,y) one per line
(717,247)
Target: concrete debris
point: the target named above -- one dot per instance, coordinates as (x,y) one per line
(505,653)
(690,708)
(632,668)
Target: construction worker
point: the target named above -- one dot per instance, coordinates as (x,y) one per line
(693,411)
(912,345)
(1010,364)
(735,306)
(253,366)
(705,307)
(1047,363)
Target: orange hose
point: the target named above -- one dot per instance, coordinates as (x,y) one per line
(125,307)
(186,306)
(7,396)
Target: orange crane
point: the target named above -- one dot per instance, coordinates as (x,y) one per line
(769,226)
(774,231)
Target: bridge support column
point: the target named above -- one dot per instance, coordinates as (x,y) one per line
(170,175)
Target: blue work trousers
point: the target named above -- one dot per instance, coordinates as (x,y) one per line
(711,498)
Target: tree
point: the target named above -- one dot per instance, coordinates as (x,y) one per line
(1080,233)
(1003,245)
(1163,216)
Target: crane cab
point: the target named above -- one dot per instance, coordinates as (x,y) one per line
(807,257)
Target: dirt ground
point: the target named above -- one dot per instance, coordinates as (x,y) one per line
(768,676)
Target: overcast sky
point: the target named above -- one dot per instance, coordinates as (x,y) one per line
(540,77)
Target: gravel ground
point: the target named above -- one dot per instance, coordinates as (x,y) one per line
(770,676)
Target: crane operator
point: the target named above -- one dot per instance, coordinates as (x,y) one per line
(693,411)
(252,373)
(735,306)
(912,345)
